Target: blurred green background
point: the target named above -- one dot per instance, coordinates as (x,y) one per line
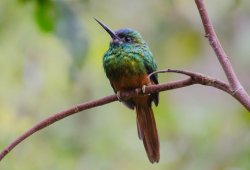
(51,58)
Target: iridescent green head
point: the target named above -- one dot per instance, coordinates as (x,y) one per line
(123,36)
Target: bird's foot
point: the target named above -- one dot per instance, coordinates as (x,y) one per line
(144,89)
(118,94)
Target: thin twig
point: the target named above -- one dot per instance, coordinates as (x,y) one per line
(195,78)
(235,85)
(235,89)
(200,79)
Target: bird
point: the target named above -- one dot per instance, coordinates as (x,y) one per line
(127,64)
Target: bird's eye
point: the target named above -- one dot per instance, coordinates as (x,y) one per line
(127,39)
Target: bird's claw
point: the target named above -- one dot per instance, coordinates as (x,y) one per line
(118,94)
(144,89)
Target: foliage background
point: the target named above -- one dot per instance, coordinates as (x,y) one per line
(51,58)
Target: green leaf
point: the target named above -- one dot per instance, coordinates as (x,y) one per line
(45,15)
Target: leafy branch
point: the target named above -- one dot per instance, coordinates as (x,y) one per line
(233,87)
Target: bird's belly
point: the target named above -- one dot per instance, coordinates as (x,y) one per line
(131,82)
(126,72)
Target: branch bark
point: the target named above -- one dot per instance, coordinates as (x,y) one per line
(234,88)
(194,78)
(239,92)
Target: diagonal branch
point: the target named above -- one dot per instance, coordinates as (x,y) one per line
(215,44)
(234,88)
(235,85)
(194,78)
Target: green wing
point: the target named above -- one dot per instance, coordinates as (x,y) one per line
(151,66)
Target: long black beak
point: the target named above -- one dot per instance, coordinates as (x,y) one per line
(111,33)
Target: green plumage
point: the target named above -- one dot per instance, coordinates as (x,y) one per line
(127,64)
(128,58)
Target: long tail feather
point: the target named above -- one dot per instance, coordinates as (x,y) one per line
(147,131)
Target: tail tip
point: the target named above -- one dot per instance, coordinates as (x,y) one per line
(154,159)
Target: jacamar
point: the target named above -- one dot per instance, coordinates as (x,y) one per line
(127,64)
